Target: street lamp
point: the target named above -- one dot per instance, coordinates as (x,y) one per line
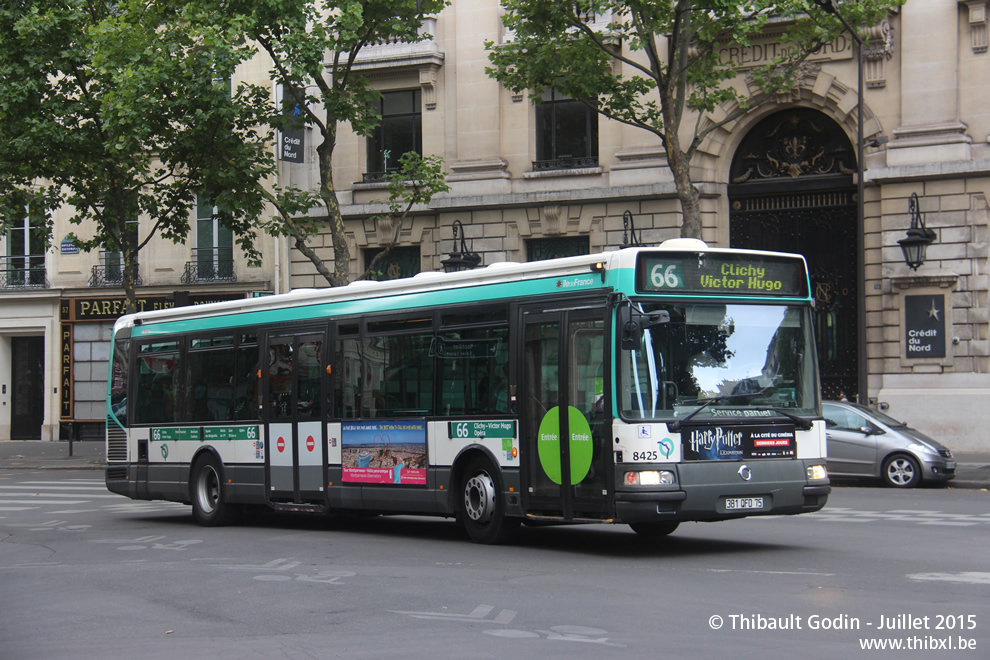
(462,259)
(919,237)
(832,7)
(629,237)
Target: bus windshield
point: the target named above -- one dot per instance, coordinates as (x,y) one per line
(737,358)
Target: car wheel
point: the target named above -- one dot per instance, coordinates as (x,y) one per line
(209,507)
(481,511)
(654,530)
(901,471)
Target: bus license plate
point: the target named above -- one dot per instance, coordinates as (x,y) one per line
(733,503)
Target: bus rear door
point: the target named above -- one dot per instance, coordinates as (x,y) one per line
(295,398)
(563,443)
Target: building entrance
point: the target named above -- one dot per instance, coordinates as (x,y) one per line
(27,387)
(792,190)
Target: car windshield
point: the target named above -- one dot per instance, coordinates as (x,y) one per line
(876,414)
(743,359)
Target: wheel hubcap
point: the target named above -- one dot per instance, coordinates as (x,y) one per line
(900,472)
(209,489)
(479,498)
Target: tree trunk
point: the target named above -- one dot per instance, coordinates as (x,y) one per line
(341,255)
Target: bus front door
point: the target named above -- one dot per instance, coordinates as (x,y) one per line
(562,425)
(295,431)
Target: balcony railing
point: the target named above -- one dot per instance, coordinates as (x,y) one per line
(23,272)
(110,272)
(568,163)
(210,265)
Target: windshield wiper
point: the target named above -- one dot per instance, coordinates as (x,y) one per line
(676,426)
(803,423)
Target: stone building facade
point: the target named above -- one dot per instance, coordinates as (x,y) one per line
(764,182)
(535,181)
(58,306)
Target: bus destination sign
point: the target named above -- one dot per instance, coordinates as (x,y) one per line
(722,273)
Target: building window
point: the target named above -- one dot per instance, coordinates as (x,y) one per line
(24,263)
(540,249)
(399,262)
(566,133)
(399,131)
(213,256)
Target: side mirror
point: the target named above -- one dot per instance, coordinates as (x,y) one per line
(632,322)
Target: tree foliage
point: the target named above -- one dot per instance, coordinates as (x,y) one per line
(314,46)
(671,75)
(123,109)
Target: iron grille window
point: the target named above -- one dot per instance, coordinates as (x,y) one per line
(399,131)
(540,249)
(399,262)
(213,258)
(24,263)
(566,133)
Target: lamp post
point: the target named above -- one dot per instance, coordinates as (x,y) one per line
(832,7)
(919,237)
(460,259)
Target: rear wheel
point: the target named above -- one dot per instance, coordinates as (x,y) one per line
(209,507)
(654,530)
(480,510)
(901,471)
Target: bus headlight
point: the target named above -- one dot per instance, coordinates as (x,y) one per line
(650,478)
(816,473)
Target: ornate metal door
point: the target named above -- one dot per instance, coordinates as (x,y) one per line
(792,191)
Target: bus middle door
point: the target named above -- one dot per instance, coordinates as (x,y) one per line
(563,443)
(296,396)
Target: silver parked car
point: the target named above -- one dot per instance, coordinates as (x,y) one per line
(863,442)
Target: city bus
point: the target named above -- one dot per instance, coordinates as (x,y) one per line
(644,386)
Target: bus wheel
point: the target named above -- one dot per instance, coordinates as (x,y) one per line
(209,507)
(481,511)
(654,530)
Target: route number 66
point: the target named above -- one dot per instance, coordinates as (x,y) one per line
(461,430)
(664,276)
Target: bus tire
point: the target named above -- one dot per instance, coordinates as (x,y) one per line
(654,530)
(209,507)
(480,509)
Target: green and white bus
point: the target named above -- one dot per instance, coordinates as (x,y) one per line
(645,386)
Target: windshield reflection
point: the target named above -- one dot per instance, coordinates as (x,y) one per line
(745,356)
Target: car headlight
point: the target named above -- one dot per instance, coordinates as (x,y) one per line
(816,472)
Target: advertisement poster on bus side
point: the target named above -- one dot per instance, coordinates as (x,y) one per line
(384,452)
(715,442)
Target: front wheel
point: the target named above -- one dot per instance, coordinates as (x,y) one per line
(481,511)
(209,507)
(654,530)
(901,471)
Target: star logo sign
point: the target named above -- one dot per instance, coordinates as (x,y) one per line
(934,311)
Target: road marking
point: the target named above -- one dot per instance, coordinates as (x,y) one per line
(480,613)
(969,577)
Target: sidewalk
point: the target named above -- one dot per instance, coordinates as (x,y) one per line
(972,471)
(39,455)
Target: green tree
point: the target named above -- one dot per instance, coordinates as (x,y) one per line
(313,46)
(122,109)
(670,76)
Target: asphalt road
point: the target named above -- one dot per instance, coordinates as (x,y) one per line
(88,574)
